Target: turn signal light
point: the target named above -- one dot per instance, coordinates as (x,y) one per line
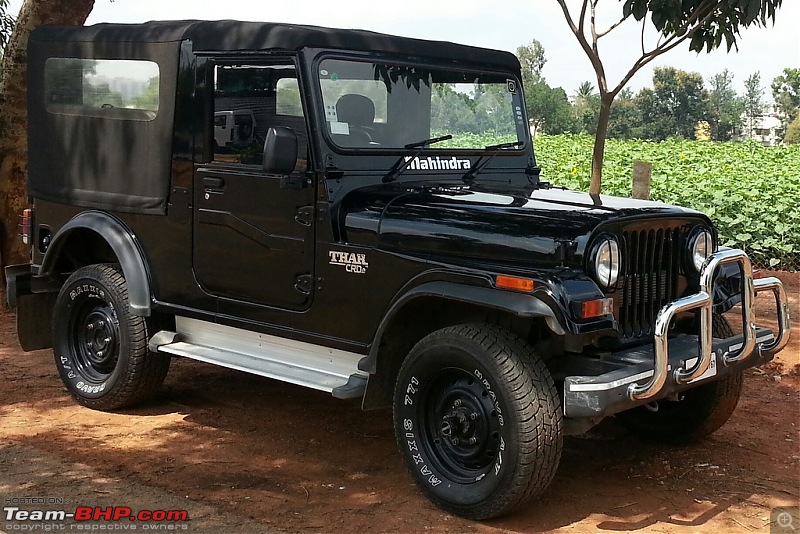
(514,283)
(596,308)
(26,226)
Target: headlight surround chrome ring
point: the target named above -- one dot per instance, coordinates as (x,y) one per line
(701,246)
(606,262)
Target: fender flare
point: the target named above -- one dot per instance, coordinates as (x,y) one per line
(122,242)
(521,304)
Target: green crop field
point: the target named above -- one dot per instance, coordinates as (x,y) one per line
(750,191)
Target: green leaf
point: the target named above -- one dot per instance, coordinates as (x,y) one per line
(753,10)
(627,8)
(697,42)
(639,9)
(659,20)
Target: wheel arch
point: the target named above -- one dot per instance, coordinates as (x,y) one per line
(100,237)
(435,305)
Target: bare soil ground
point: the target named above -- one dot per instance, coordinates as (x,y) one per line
(246,454)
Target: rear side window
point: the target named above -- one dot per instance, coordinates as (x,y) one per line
(120,89)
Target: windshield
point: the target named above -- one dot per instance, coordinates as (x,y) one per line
(380,105)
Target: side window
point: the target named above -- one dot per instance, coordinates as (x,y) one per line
(250,98)
(106,88)
(288,98)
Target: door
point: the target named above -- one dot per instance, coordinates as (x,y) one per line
(254,231)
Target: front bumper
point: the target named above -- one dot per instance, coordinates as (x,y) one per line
(683,362)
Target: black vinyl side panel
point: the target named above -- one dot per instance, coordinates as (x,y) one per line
(105,162)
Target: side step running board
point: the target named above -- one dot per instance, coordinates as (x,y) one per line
(305,364)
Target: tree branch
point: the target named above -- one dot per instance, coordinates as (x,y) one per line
(594,58)
(582,17)
(671,42)
(612,27)
(594,28)
(644,27)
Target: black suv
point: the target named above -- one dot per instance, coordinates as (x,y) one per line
(382,233)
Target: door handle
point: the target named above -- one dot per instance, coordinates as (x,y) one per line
(210,182)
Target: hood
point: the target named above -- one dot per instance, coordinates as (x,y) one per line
(545,227)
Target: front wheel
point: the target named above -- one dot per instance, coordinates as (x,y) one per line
(478,420)
(100,348)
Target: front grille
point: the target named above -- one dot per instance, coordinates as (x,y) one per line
(649,278)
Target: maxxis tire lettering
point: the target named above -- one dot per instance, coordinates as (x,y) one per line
(412,388)
(87,288)
(416,456)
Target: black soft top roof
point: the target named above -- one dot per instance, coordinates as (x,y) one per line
(230,35)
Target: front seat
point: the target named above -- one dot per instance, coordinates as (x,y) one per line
(358,112)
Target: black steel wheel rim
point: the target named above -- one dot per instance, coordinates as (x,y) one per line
(461,430)
(95,339)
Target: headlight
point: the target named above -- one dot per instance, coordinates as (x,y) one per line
(606,262)
(701,246)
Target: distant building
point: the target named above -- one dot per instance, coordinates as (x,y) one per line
(767,129)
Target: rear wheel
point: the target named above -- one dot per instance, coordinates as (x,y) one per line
(478,420)
(698,413)
(100,348)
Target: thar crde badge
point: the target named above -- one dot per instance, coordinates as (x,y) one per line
(352,262)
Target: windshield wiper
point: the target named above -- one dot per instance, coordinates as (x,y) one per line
(403,163)
(426,142)
(470,175)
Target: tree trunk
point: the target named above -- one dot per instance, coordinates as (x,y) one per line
(14,115)
(606,99)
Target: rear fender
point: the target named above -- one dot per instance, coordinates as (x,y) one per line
(121,241)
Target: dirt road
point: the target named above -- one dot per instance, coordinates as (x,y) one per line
(244,454)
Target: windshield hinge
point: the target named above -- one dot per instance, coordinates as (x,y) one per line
(533,170)
(332,172)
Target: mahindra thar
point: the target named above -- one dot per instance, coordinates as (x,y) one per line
(363,214)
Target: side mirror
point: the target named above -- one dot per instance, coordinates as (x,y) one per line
(280,150)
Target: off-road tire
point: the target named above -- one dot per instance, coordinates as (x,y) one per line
(100,348)
(700,412)
(481,382)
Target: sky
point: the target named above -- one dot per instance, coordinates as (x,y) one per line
(500,24)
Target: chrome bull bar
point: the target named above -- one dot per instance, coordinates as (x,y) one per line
(704,301)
